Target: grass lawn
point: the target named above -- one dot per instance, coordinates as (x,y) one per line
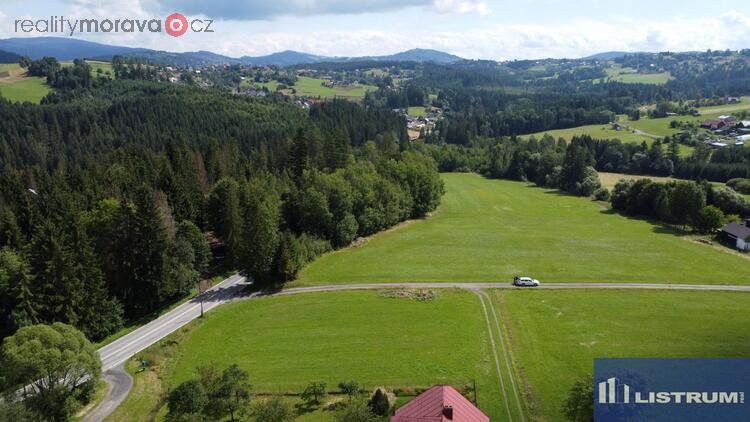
(417,111)
(287,342)
(31,89)
(312,87)
(491,230)
(555,335)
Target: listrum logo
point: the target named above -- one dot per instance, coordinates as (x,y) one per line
(671,390)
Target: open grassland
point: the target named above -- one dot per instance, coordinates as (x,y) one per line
(31,89)
(492,230)
(606,132)
(628,75)
(597,132)
(108,71)
(312,87)
(555,335)
(286,342)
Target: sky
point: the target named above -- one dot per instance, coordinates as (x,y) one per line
(473,29)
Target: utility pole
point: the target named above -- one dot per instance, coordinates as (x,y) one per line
(200,295)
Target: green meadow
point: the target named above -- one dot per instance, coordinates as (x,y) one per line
(313,87)
(31,89)
(555,335)
(660,126)
(491,230)
(286,342)
(628,75)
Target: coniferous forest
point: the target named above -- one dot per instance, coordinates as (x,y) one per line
(110,189)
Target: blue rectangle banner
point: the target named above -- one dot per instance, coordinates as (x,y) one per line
(665,390)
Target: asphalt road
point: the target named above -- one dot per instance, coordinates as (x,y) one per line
(120,382)
(119,351)
(115,354)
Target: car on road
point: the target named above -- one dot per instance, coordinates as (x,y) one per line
(525,282)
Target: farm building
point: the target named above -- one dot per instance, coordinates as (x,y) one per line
(713,124)
(738,234)
(441,403)
(743,138)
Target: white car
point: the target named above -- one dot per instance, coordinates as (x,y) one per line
(525,282)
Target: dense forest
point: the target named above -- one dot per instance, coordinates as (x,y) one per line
(109,189)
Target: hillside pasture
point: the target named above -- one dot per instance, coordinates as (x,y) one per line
(313,87)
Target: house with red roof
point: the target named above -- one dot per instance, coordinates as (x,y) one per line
(441,403)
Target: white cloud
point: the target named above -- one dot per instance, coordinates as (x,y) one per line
(571,39)
(566,38)
(461,6)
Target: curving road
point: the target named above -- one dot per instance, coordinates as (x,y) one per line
(115,354)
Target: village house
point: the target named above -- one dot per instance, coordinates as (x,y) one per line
(737,234)
(441,403)
(713,124)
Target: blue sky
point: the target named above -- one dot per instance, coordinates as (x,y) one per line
(491,29)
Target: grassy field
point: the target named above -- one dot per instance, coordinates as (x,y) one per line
(598,132)
(609,180)
(631,76)
(31,89)
(16,86)
(606,132)
(417,111)
(491,230)
(660,127)
(287,342)
(312,87)
(555,335)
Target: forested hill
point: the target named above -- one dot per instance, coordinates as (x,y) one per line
(108,188)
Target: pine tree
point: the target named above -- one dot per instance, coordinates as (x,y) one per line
(298,159)
(261,230)
(148,285)
(224,217)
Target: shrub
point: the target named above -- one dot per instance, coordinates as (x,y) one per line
(601,194)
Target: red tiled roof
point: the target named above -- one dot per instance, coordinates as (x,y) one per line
(428,407)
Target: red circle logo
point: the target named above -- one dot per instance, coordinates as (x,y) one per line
(176,24)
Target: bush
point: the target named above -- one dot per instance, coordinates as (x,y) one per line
(379,403)
(273,410)
(350,388)
(740,185)
(188,398)
(601,194)
(314,392)
(710,219)
(579,406)
(356,410)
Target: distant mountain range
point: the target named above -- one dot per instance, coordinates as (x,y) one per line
(611,55)
(70,48)
(8,57)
